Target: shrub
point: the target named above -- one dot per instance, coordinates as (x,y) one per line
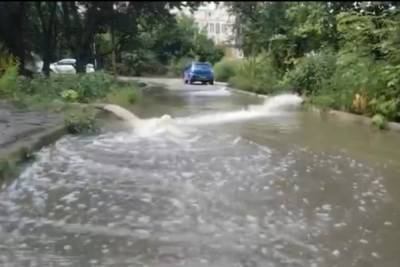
(93,85)
(123,96)
(258,75)
(388,108)
(379,121)
(69,95)
(8,73)
(141,62)
(352,82)
(9,84)
(177,66)
(225,69)
(311,73)
(83,122)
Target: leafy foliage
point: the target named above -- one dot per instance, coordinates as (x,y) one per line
(225,69)
(342,55)
(82,122)
(257,74)
(312,72)
(8,73)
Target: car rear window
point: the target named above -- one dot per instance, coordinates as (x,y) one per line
(202,66)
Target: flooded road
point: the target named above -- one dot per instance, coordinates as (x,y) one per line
(287,189)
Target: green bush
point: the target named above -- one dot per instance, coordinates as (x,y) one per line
(9,84)
(225,69)
(69,95)
(388,108)
(334,84)
(123,96)
(257,74)
(379,121)
(177,66)
(93,85)
(311,73)
(140,62)
(81,122)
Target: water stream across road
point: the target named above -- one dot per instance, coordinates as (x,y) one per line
(224,182)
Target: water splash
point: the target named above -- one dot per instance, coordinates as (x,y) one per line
(120,112)
(275,105)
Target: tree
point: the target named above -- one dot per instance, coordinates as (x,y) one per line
(12,14)
(57,28)
(48,22)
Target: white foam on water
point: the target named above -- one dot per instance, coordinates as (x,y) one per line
(272,106)
(120,112)
(166,125)
(219,92)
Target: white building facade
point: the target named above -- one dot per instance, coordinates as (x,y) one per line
(215,20)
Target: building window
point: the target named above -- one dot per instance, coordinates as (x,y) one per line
(217,28)
(211,27)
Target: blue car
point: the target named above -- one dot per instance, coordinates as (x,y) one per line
(199,72)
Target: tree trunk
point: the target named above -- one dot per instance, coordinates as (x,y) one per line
(20,49)
(81,62)
(49,34)
(113,56)
(46,65)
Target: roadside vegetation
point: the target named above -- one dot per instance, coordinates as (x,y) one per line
(341,55)
(167,49)
(66,94)
(123,39)
(58,90)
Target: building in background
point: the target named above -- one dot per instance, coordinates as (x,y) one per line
(215,20)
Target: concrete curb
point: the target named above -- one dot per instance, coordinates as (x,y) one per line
(14,155)
(246,92)
(346,116)
(355,118)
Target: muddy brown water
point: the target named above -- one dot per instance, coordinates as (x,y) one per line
(290,189)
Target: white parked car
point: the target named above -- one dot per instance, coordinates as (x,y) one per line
(67,66)
(64,66)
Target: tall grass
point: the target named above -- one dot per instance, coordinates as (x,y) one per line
(257,74)
(225,69)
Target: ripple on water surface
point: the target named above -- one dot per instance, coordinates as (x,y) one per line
(213,200)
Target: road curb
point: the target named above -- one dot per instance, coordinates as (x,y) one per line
(246,92)
(342,115)
(355,118)
(19,152)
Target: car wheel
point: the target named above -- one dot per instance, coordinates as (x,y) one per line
(211,82)
(186,82)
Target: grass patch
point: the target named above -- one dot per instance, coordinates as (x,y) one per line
(124,95)
(82,121)
(225,69)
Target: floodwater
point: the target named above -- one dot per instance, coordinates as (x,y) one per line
(234,188)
